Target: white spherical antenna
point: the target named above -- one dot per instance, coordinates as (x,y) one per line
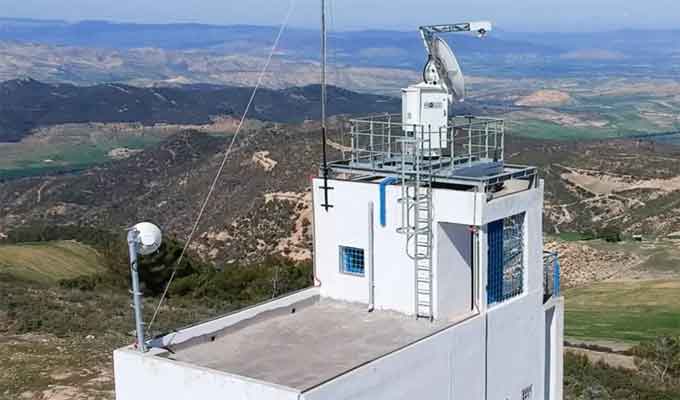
(448,69)
(149,238)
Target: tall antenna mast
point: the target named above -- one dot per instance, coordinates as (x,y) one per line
(324,161)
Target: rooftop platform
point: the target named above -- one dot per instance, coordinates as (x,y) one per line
(468,152)
(306,343)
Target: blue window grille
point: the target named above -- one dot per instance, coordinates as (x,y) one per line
(505,277)
(351,260)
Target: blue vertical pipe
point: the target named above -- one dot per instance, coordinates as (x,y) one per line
(383,201)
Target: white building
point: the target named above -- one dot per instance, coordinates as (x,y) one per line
(431,284)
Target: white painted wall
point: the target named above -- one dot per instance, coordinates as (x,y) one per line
(453,363)
(516,348)
(445,366)
(147,376)
(217,324)
(554,360)
(454,271)
(346,224)
(144,377)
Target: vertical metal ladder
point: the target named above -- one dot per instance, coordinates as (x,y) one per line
(416,203)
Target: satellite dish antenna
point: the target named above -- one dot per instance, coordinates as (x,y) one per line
(144,239)
(443,68)
(149,238)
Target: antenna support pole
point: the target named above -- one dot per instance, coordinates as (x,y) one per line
(324,160)
(133,243)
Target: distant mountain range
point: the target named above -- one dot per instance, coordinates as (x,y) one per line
(502,53)
(26,104)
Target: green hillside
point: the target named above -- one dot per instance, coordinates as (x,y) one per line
(627,311)
(50,261)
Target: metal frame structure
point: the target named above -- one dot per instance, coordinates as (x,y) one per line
(468,152)
(473,156)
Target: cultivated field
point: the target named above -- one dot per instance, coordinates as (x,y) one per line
(49,262)
(627,311)
(626,292)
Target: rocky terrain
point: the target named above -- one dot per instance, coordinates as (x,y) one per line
(629,185)
(582,264)
(261,204)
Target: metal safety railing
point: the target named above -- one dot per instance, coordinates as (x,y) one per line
(382,141)
(551,275)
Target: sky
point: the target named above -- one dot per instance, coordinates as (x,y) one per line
(512,15)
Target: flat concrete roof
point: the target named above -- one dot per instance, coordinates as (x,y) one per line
(306,344)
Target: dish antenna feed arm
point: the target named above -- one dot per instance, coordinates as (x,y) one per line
(435,72)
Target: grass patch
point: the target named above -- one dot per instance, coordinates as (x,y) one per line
(631,312)
(49,262)
(51,335)
(574,236)
(72,147)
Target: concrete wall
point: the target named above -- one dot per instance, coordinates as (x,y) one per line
(454,270)
(554,344)
(346,224)
(480,359)
(445,366)
(151,376)
(217,324)
(513,332)
(516,348)
(144,377)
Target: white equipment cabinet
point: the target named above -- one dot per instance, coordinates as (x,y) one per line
(426,107)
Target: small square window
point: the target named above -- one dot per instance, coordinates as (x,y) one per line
(352,260)
(527,392)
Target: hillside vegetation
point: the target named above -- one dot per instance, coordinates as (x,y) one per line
(57,335)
